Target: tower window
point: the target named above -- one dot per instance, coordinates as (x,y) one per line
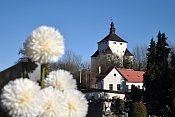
(114,74)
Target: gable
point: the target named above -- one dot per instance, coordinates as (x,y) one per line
(113,76)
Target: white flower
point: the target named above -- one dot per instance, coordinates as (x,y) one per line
(61,80)
(45,44)
(76,104)
(53,103)
(21,98)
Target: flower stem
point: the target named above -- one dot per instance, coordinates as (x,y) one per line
(43,72)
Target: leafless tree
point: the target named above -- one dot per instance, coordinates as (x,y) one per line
(140,58)
(172,46)
(73,63)
(70,62)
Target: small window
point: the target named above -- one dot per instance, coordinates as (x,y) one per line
(114,74)
(127,87)
(114,42)
(138,86)
(118,86)
(110,86)
(120,43)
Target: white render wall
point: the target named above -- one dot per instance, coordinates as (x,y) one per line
(111,79)
(136,84)
(118,48)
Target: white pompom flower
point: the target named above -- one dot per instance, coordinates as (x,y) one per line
(45,44)
(76,104)
(53,103)
(21,98)
(61,80)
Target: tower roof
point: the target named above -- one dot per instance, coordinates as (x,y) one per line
(95,54)
(128,53)
(112,36)
(107,51)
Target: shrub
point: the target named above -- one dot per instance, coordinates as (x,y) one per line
(137,109)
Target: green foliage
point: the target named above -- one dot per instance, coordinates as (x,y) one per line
(172,62)
(121,106)
(156,78)
(150,75)
(172,77)
(127,63)
(137,109)
(136,94)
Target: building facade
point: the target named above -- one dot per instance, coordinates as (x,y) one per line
(112,50)
(117,79)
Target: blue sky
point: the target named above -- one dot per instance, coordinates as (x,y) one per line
(83,23)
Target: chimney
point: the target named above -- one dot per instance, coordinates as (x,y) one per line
(99,69)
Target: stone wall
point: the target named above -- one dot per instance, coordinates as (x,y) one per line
(10,74)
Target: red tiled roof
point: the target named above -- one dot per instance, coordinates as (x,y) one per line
(131,75)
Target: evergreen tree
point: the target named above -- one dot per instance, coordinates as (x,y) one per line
(150,76)
(163,82)
(136,94)
(172,62)
(172,77)
(156,78)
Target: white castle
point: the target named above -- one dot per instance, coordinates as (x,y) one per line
(111,46)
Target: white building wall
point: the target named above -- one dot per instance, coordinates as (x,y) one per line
(118,47)
(103,95)
(114,79)
(136,84)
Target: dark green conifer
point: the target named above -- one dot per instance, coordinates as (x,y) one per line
(163,82)
(150,76)
(156,78)
(172,77)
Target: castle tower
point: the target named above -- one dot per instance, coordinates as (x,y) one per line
(112,47)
